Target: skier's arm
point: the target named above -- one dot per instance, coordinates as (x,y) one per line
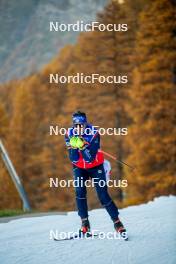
(89,151)
(73,153)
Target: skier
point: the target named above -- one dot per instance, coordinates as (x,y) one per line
(83,143)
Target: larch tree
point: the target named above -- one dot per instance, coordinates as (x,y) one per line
(8,192)
(152,107)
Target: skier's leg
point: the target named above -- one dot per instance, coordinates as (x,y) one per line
(106,201)
(81,192)
(98,174)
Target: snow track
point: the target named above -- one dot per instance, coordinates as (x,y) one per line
(151,228)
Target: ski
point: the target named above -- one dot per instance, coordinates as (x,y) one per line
(124,236)
(76,236)
(80,236)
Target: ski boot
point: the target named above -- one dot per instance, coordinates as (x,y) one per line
(120,229)
(85,228)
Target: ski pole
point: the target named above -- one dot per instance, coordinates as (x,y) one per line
(119,161)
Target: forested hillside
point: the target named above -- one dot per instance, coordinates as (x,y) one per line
(146,105)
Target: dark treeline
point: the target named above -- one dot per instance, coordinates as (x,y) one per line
(146,53)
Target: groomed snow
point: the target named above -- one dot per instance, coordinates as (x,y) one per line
(151,228)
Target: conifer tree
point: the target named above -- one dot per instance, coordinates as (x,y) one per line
(8,192)
(23,140)
(153,107)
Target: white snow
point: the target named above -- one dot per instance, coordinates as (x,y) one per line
(151,228)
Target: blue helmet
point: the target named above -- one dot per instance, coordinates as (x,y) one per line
(79,118)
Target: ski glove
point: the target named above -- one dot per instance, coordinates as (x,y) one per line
(80,143)
(77,142)
(73,142)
